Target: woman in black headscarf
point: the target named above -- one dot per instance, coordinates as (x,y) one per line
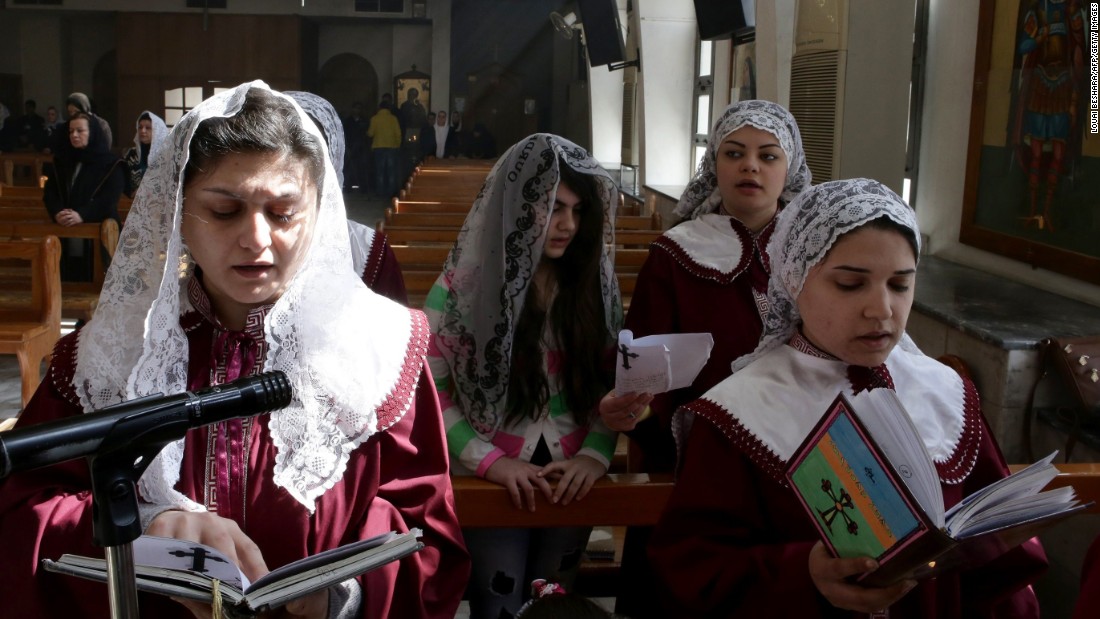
(83,186)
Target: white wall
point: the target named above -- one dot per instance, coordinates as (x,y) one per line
(775,26)
(605,93)
(946,123)
(666,34)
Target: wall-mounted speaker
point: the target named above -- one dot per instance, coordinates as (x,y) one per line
(723,19)
(603,35)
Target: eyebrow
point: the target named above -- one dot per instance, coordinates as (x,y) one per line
(229,194)
(742,145)
(852,269)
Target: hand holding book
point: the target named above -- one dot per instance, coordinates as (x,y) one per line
(871,489)
(193,571)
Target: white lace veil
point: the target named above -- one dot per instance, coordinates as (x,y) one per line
(340,367)
(701,194)
(804,232)
(160,131)
(493,263)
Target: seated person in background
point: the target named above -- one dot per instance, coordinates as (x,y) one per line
(82,186)
(734,541)
(234,261)
(438,139)
(523,323)
(50,130)
(148,139)
(79,102)
(370,252)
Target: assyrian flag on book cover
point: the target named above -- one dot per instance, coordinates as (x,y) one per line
(841,482)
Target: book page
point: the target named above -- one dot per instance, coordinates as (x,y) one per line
(658,363)
(889,424)
(169,553)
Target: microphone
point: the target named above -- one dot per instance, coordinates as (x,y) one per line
(152,419)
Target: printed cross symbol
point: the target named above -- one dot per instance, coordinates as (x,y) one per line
(201,555)
(840,504)
(627,356)
(870,473)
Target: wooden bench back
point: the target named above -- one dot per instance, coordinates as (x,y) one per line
(43,256)
(615,500)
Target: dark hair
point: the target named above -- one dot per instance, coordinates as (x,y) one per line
(885,223)
(576,319)
(267,123)
(145,116)
(565,606)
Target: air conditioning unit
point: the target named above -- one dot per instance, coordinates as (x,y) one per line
(850,78)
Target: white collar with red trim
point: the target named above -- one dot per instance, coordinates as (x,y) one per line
(769,407)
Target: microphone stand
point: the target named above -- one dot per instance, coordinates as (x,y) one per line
(116,522)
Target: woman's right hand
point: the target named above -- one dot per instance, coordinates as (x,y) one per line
(520,478)
(622,412)
(830,575)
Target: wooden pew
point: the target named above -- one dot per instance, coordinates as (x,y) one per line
(408,206)
(30,326)
(1083,476)
(78,299)
(24,158)
(419,282)
(626,499)
(429,257)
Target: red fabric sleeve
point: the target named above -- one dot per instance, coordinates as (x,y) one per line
(415,491)
(732,543)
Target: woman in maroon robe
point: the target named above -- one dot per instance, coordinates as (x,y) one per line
(263,282)
(734,541)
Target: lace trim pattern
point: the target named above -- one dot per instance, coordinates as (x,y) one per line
(740,437)
(955,469)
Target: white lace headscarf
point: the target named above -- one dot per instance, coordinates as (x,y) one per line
(160,132)
(701,195)
(805,231)
(339,368)
(493,263)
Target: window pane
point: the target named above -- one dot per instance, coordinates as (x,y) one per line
(172,116)
(192,96)
(702,114)
(705,48)
(173,98)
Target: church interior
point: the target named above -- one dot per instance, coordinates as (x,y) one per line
(929,97)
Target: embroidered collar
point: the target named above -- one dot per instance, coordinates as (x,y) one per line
(200,301)
(715,246)
(768,408)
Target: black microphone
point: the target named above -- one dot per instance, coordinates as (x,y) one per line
(152,419)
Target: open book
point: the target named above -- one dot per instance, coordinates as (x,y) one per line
(872,490)
(659,363)
(191,570)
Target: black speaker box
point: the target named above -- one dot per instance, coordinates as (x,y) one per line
(602,34)
(721,19)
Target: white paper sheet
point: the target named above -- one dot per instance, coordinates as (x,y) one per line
(658,363)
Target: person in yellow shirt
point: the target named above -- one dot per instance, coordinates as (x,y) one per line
(385,134)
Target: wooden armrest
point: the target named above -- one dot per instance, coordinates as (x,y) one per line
(616,500)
